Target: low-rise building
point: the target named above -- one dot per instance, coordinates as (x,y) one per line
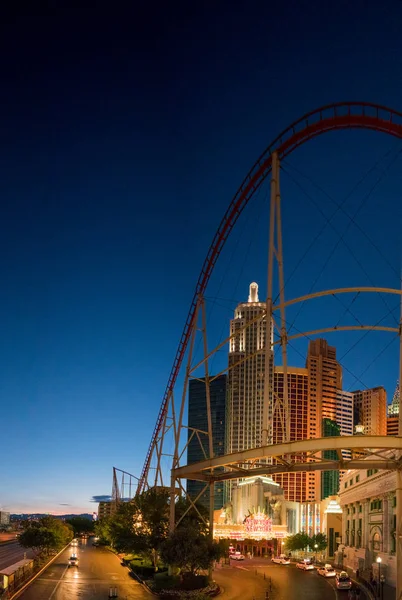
(105,509)
(368,502)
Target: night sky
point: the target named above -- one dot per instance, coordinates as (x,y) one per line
(125,131)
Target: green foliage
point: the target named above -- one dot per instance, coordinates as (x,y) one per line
(189,550)
(46,534)
(81,525)
(321,540)
(299,541)
(102,530)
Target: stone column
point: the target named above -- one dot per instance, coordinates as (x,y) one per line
(344,520)
(385,523)
(365,526)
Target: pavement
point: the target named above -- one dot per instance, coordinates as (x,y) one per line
(12,552)
(97,572)
(245,581)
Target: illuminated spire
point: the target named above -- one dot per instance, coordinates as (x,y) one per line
(393,408)
(253,292)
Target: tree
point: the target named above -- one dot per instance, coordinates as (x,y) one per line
(102,530)
(299,541)
(45,535)
(141,525)
(321,540)
(81,524)
(189,550)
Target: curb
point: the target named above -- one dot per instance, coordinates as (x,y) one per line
(28,583)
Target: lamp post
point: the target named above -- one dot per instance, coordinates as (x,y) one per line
(379,574)
(315,548)
(382,581)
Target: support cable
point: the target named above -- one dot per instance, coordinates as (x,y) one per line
(341,236)
(356,224)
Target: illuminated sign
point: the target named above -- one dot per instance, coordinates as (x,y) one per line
(258,523)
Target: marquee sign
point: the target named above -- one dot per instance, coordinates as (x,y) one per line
(258,523)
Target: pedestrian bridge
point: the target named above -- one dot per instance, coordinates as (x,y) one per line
(353,452)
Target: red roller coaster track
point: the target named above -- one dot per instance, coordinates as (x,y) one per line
(344,115)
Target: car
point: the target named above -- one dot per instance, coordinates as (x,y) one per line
(327,571)
(74,543)
(73,561)
(237,556)
(305,565)
(343,581)
(281,560)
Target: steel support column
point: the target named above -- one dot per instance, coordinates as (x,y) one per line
(398,532)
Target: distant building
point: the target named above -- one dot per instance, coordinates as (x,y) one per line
(325,381)
(330,479)
(4,518)
(393,408)
(105,509)
(370,410)
(393,425)
(297,487)
(197,420)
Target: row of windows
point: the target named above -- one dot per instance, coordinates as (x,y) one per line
(351,481)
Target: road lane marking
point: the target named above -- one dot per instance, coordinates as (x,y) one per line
(243,568)
(58,583)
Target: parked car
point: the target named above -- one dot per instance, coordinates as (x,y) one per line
(327,571)
(343,581)
(281,560)
(237,556)
(305,565)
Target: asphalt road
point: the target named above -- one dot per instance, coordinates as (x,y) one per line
(98,570)
(240,581)
(11,553)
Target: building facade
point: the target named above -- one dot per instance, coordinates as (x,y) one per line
(105,509)
(325,381)
(393,425)
(370,410)
(245,401)
(393,408)
(297,487)
(4,518)
(368,501)
(197,420)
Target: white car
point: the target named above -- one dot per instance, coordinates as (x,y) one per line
(281,560)
(73,561)
(237,556)
(343,581)
(305,565)
(327,571)
(74,543)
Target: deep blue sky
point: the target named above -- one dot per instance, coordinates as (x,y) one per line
(123,137)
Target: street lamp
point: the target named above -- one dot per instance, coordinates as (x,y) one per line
(316,548)
(382,581)
(379,573)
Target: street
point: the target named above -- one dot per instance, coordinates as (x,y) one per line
(98,570)
(240,581)
(11,553)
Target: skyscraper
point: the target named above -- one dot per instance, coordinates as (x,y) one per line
(297,487)
(393,408)
(370,410)
(245,401)
(197,420)
(325,381)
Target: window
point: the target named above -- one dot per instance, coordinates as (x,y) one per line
(351,482)
(346,484)
(376,505)
(357,478)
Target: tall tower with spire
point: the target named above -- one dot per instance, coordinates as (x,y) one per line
(393,408)
(246,375)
